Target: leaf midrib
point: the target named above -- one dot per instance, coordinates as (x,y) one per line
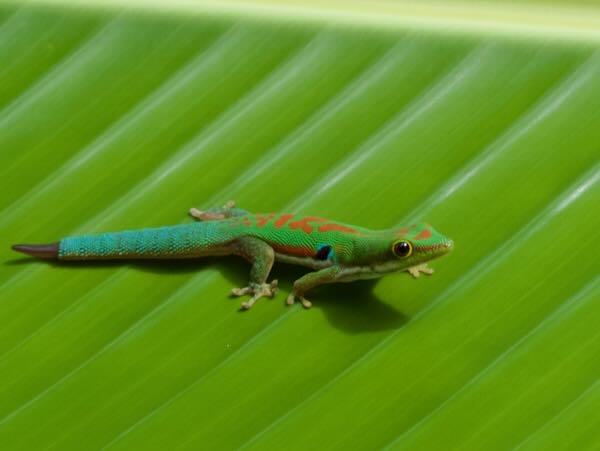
(580,23)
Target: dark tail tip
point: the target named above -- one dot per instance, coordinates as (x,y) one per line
(47,251)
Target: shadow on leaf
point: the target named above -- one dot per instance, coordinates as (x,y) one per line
(350,307)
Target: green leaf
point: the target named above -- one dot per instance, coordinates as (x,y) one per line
(484,125)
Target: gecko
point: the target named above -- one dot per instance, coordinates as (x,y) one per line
(336,252)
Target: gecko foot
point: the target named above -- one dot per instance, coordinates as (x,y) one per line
(213,214)
(292,298)
(416,271)
(257,290)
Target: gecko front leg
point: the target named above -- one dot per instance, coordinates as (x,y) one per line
(416,271)
(262,256)
(311,280)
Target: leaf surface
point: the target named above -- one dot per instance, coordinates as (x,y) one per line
(115,118)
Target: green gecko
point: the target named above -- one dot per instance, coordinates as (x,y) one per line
(337,252)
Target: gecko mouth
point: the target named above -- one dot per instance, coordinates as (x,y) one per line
(445,246)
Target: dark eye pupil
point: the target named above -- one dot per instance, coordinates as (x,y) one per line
(402,248)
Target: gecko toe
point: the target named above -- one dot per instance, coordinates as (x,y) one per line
(240,291)
(273,288)
(290,299)
(305,303)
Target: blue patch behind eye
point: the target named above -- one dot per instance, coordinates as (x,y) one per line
(323,252)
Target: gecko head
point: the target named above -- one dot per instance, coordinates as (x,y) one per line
(419,243)
(411,246)
(401,249)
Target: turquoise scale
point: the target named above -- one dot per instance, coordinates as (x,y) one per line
(175,241)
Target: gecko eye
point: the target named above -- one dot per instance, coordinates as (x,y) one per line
(402,249)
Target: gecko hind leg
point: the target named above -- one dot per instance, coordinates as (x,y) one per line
(216,214)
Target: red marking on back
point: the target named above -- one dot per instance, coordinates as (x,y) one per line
(403,231)
(304,223)
(283,219)
(338,228)
(247,221)
(425,233)
(262,220)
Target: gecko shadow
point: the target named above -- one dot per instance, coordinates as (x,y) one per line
(355,309)
(350,307)
(156,266)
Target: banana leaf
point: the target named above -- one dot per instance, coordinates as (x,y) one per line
(481,119)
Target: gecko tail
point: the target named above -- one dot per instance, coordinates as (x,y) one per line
(45,251)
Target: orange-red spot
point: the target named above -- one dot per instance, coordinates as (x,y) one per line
(425,233)
(304,223)
(247,221)
(262,220)
(338,228)
(283,219)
